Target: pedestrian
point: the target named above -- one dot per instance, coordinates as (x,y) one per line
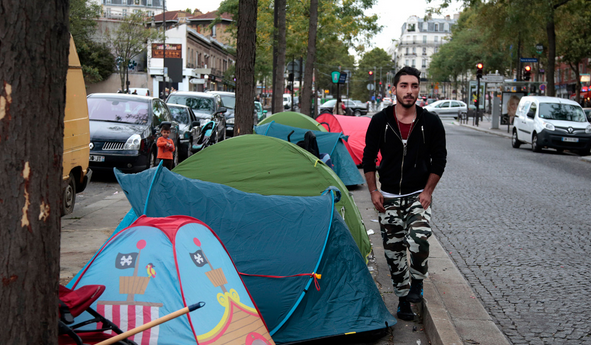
(412,143)
(165,146)
(134,92)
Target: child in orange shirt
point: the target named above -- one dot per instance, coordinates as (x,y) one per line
(165,146)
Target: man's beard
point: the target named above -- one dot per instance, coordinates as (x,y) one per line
(407,106)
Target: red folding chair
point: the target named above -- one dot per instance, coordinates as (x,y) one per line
(73,303)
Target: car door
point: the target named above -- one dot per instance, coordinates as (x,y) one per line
(443,108)
(455,108)
(526,113)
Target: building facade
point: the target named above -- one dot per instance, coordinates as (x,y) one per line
(419,40)
(117,9)
(195,62)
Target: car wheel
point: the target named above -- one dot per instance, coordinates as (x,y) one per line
(514,141)
(535,146)
(584,152)
(69,196)
(357,113)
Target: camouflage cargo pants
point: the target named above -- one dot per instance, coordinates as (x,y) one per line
(405,225)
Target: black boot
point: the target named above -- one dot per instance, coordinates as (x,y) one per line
(404,311)
(416,291)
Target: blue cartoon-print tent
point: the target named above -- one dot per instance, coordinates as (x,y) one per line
(159,265)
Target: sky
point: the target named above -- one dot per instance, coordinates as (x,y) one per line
(392,14)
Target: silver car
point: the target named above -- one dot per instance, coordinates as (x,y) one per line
(447,108)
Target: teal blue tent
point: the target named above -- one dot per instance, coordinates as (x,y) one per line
(331,143)
(278,244)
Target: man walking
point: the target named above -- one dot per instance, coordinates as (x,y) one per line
(412,144)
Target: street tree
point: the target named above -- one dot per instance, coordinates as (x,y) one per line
(131,39)
(380,63)
(306,96)
(575,45)
(98,63)
(245,62)
(33,67)
(279,45)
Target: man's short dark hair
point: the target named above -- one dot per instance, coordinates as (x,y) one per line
(407,70)
(165,126)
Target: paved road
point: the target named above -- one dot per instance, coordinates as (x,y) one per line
(516,224)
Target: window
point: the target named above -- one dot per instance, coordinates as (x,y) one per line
(425,26)
(424,38)
(413,63)
(124,12)
(436,39)
(414,50)
(414,39)
(137,2)
(108,13)
(406,50)
(406,62)
(424,51)
(213,31)
(149,3)
(411,27)
(436,27)
(424,63)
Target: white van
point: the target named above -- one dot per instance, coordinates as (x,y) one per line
(286,101)
(551,122)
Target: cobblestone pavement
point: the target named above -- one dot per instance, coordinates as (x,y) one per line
(516,223)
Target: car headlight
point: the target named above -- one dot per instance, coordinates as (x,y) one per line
(230,121)
(548,126)
(588,129)
(133,143)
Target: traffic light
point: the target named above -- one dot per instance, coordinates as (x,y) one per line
(479,67)
(388,86)
(526,73)
(370,73)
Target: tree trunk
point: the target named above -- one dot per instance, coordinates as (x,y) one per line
(279,68)
(306,96)
(33,67)
(551,32)
(245,59)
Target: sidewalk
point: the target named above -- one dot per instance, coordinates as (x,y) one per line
(450,314)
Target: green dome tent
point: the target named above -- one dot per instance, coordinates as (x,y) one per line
(271,166)
(291,118)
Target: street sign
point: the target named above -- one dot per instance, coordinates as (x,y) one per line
(528,59)
(542,87)
(370,87)
(491,78)
(335,76)
(539,48)
(342,78)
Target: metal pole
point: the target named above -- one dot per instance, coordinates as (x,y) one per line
(477,100)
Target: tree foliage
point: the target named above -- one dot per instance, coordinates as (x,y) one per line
(131,39)
(96,59)
(376,60)
(341,25)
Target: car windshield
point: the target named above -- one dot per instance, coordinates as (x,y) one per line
(564,112)
(258,107)
(330,103)
(198,104)
(180,115)
(229,101)
(118,110)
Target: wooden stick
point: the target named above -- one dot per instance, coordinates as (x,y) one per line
(153,323)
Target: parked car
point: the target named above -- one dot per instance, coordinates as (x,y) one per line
(353,108)
(551,122)
(124,130)
(286,101)
(228,102)
(447,108)
(207,107)
(387,101)
(189,127)
(261,113)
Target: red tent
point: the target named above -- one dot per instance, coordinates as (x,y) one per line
(352,126)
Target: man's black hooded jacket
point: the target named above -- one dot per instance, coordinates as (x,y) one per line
(405,170)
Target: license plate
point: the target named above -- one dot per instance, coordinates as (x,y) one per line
(96,158)
(571,140)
